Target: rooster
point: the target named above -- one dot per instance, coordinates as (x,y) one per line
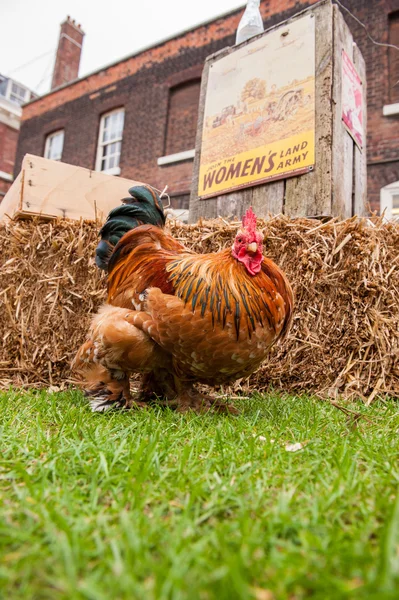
(178,317)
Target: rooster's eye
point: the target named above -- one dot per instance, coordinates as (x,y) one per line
(239,240)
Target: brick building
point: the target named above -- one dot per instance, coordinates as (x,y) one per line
(137,117)
(12,95)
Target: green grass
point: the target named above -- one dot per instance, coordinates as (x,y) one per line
(158,505)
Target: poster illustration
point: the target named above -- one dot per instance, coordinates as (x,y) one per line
(259,116)
(352,100)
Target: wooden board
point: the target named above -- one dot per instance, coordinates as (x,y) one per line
(53,189)
(360,207)
(208,208)
(269,198)
(310,194)
(343,143)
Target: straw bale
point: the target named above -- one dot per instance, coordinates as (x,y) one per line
(345,275)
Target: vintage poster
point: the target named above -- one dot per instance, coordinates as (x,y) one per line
(352,100)
(259,116)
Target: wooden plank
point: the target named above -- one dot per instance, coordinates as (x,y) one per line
(268,198)
(360,159)
(342,141)
(202,208)
(310,194)
(234,204)
(12,201)
(55,189)
(195,210)
(265,199)
(51,189)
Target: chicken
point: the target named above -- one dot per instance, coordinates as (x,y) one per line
(181,318)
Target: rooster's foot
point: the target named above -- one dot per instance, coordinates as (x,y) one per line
(201,403)
(222,407)
(134,403)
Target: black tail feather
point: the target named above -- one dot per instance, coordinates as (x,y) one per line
(143,207)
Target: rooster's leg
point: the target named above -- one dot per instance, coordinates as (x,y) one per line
(126,391)
(188,398)
(157,385)
(127,397)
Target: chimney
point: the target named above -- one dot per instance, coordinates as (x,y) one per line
(69,49)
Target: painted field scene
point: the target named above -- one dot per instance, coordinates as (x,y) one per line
(260,94)
(260,122)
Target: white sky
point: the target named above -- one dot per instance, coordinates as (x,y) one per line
(113,29)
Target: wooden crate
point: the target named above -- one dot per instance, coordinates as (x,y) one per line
(337,185)
(51,189)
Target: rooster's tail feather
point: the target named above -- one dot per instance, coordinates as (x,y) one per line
(143,207)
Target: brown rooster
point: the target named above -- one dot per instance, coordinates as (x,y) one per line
(180,317)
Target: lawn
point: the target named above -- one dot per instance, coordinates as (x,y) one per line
(156,505)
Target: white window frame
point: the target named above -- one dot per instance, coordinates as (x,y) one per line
(101,144)
(389,110)
(20,88)
(50,137)
(386,198)
(9,92)
(175,158)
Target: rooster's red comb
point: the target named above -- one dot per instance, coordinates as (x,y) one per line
(249,220)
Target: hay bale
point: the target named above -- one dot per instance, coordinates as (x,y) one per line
(345,274)
(49,286)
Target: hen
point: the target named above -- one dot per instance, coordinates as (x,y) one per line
(178,317)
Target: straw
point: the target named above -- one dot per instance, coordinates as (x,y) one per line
(345,275)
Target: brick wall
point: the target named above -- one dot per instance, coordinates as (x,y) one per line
(393,56)
(8,148)
(182,117)
(4,187)
(383,132)
(156,81)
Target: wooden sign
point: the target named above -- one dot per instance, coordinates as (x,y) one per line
(336,186)
(259,116)
(352,100)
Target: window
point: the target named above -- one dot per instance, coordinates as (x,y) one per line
(182,118)
(110,142)
(13,91)
(390,201)
(394,58)
(54,145)
(3,85)
(18,93)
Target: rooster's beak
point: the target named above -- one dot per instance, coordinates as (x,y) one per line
(252,247)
